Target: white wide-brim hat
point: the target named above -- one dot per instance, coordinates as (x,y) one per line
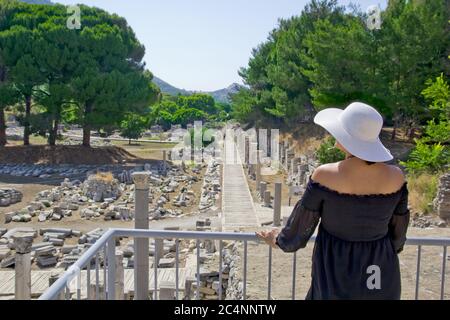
(357,129)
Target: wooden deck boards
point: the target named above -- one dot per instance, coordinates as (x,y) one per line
(40,280)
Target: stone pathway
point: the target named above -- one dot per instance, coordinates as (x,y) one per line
(238,209)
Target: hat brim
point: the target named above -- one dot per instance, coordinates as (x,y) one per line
(373,151)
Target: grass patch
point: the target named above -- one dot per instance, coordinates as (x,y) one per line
(422,190)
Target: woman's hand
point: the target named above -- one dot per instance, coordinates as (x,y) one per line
(268,236)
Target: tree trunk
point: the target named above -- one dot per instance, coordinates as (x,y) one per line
(26,130)
(86,126)
(2,128)
(53,133)
(86,135)
(129,141)
(394,131)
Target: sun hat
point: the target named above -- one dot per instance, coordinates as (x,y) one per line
(357,129)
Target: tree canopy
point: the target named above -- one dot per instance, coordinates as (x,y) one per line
(328,57)
(93,76)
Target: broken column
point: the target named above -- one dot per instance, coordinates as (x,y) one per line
(277,205)
(141,250)
(167,290)
(22,245)
(54,276)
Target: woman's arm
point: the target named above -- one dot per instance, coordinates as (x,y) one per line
(398,225)
(299,228)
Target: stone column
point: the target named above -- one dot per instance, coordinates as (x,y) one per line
(258,167)
(51,280)
(120,277)
(277,205)
(164,161)
(167,290)
(262,135)
(267,198)
(247,150)
(262,188)
(141,252)
(289,156)
(285,153)
(159,250)
(253,152)
(22,245)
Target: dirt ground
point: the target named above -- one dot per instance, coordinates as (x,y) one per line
(40,154)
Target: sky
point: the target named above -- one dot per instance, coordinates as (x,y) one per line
(201,44)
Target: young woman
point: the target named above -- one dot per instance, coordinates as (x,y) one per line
(362,206)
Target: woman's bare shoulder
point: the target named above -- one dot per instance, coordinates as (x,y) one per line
(331,176)
(397,177)
(325,172)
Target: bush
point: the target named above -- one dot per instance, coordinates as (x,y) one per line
(328,153)
(422,190)
(426,158)
(133,126)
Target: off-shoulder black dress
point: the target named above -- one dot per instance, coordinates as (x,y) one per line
(355,252)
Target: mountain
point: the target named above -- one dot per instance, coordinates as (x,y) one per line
(167,88)
(221,95)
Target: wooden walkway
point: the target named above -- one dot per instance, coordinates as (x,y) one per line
(238,209)
(40,280)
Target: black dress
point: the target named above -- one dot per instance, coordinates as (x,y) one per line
(355,252)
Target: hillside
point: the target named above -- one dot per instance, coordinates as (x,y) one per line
(221,95)
(37,1)
(168,88)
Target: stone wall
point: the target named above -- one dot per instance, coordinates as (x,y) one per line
(442,200)
(233,264)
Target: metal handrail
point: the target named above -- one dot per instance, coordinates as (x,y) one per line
(107,242)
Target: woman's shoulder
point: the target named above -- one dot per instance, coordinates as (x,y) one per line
(325,172)
(330,176)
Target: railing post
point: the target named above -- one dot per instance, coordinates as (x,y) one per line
(444,259)
(119,281)
(141,252)
(111,295)
(277,205)
(22,244)
(419,251)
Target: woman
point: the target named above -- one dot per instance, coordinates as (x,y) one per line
(362,205)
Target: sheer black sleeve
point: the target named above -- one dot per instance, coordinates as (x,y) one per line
(302,222)
(398,224)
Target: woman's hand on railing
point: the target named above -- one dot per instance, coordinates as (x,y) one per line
(268,236)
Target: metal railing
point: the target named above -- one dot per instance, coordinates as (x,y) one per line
(106,244)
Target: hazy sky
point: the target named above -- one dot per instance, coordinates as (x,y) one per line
(201,44)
